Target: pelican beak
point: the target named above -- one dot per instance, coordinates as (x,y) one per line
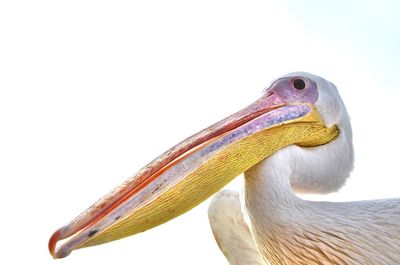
(198,167)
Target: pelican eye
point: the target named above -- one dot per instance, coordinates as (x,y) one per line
(299,84)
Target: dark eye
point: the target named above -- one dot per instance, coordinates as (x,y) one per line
(299,84)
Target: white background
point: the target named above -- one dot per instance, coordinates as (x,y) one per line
(90,91)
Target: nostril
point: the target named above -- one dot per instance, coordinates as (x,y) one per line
(269,93)
(274,98)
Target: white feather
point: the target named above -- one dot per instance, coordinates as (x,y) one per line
(230,230)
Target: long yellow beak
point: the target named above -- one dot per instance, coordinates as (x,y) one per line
(193,170)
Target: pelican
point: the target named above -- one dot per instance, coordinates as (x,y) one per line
(296,138)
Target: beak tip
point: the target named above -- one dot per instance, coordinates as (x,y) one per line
(53,242)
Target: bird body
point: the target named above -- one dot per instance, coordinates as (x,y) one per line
(307,232)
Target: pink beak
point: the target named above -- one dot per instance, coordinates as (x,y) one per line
(279,104)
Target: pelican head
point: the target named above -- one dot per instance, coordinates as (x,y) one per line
(325,168)
(298,109)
